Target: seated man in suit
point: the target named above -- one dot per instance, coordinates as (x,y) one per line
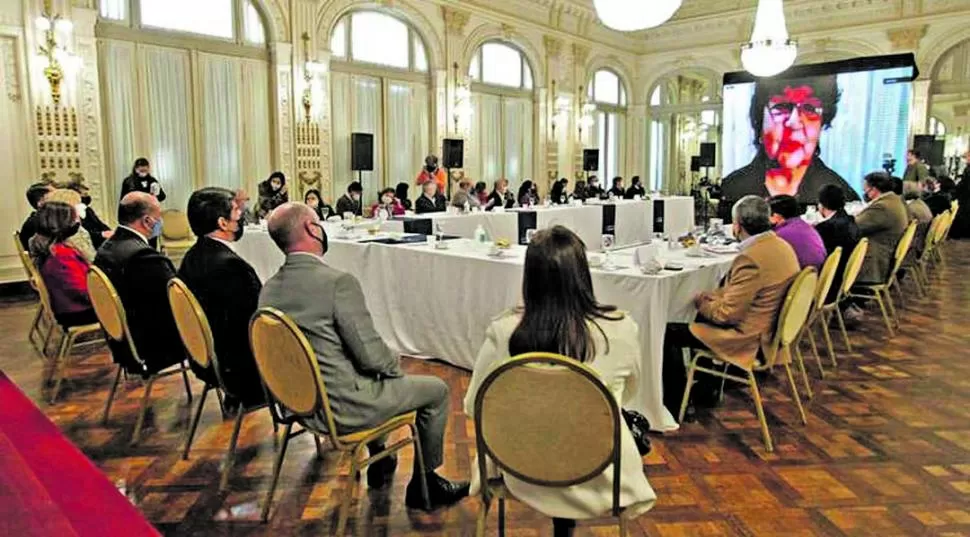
(140,274)
(837,230)
(228,290)
(917,210)
(430,200)
(351,201)
(35,195)
(736,320)
(787,222)
(883,223)
(363,377)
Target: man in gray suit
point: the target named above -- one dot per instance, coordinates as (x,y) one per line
(363,376)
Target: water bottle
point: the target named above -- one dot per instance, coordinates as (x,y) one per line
(481,237)
(467,207)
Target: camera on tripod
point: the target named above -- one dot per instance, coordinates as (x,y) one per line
(888,163)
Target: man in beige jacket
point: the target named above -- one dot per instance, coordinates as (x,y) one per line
(737,320)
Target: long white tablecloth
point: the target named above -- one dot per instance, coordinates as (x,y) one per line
(678,215)
(633,224)
(438,303)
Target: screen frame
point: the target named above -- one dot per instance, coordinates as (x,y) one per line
(852,65)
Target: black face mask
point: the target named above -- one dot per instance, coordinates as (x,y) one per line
(431,167)
(240,227)
(71,231)
(86,200)
(323,239)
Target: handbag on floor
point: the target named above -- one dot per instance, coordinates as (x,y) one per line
(639,427)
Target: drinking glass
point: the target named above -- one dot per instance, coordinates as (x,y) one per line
(529,234)
(608,241)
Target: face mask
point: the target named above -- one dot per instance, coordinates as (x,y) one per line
(156,229)
(322,239)
(143,174)
(82,210)
(387,200)
(238,233)
(313,203)
(86,200)
(355,197)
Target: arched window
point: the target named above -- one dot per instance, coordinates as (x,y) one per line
(937,127)
(607,94)
(187,85)
(500,137)
(380,86)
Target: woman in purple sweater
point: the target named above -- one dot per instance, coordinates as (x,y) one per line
(788,224)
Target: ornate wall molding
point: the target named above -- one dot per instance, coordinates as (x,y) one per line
(906,39)
(9,54)
(282,62)
(553,46)
(455,20)
(486,32)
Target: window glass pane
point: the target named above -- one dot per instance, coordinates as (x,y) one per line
(622,96)
(211,17)
(607,88)
(338,41)
(656,155)
(655,98)
(501,65)
(708,117)
(473,68)
(114,9)
(253,25)
(420,56)
(528,74)
(379,38)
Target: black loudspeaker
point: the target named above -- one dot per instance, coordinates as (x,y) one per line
(591,160)
(452,154)
(935,158)
(361,151)
(695,164)
(707,154)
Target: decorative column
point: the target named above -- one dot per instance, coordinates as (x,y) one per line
(580,53)
(636,140)
(919,110)
(446,82)
(282,58)
(557,116)
(89,104)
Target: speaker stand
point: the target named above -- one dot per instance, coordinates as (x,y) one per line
(447,185)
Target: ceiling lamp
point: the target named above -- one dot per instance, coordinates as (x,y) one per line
(770,51)
(633,15)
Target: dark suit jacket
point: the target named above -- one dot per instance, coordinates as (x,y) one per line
(751,180)
(424,205)
(496,200)
(839,231)
(141,274)
(938,203)
(346,205)
(633,191)
(95,227)
(228,291)
(883,222)
(133,183)
(28,229)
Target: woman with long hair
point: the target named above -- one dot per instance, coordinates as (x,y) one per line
(82,241)
(141,180)
(272,194)
(62,267)
(560,314)
(389,203)
(401,194)
(527,194)
(315,201)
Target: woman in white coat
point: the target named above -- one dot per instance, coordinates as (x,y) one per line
(561,315)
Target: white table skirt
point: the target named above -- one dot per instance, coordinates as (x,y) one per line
(678,215)
(634,223)
(438,303)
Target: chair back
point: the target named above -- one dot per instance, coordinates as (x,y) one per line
(954,209)
(794,312)
(826,277)
(853,267)
(289,368)
(175,225)
(931,234)
(32,274)
(548,420)
(110,311)
(193,326)
(940,235)
(902,248)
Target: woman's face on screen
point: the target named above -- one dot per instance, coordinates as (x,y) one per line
(792,125)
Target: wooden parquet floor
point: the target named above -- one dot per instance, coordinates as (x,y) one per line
(886,451)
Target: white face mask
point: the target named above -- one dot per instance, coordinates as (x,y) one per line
(82,210)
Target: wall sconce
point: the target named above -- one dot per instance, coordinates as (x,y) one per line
(586,114)
(462,104)
(560,111)
(56,56)
(310,68)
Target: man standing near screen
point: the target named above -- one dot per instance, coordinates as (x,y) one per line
(788,117)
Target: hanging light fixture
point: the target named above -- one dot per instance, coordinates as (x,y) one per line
(770,51)
(633,15)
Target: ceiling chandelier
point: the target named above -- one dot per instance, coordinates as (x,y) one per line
(770,51)
(633,15)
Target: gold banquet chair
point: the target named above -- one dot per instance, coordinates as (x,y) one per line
(529,407)
(817,314)
(921,264)
(881,292)
(291,374)
(42,320)
(111,313)
(196,334)
(176,236)
(794,312)
(940,236)
(954,209)
(849,275)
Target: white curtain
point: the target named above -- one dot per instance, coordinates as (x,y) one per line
(341,128)
(168,101)
(367,119)
(120,114)
(221,146)
(407,130)
(488,115)
(257,131)
(517,120)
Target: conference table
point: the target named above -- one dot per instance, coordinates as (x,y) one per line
(437,303)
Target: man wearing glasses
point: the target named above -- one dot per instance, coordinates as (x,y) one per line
(788,117)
